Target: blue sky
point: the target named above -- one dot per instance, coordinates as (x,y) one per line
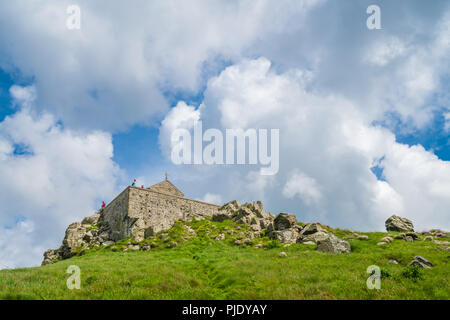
(364,115)
(433,138)
(6,107)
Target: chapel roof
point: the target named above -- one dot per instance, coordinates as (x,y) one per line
(166,187)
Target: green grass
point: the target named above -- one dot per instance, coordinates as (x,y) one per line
(203,268)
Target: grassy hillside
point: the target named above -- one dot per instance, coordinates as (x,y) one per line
(200,267)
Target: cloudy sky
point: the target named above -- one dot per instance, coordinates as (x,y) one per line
(364,115)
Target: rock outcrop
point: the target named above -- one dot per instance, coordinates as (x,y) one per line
(333,244)
(250,213)
(420,262)
(312,232)
(285,236)
(311,228)
(284,221)
(399,224)
(79,235)
(284,228)
(50,256)
(314,237)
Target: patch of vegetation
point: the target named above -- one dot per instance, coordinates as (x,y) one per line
(413,273)
(93,227)
(385,273)
(273,244)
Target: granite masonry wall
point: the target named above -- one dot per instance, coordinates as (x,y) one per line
(139,213)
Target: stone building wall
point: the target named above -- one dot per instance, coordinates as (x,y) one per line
(115,215)
(140,213)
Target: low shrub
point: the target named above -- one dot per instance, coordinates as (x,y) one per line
(413,273)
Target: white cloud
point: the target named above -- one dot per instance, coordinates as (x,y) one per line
(181,116)
(5,149)
(328,146)
(18,246)
(385,50)
(303,186)
(423,181)
(409,86)
(113,71)
(49,177)
(257,184)
(212,198)
(23,96)
(229,94)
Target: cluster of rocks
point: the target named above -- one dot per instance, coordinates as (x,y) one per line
(250,213)
(433,236)
(385,240)
(313,233)
(399,224)
(88,233)
(435,232)
(283,227)
(286,229)
(133,246)
(408,237)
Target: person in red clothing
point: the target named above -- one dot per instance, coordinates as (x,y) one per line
(142,187)
(102,208)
